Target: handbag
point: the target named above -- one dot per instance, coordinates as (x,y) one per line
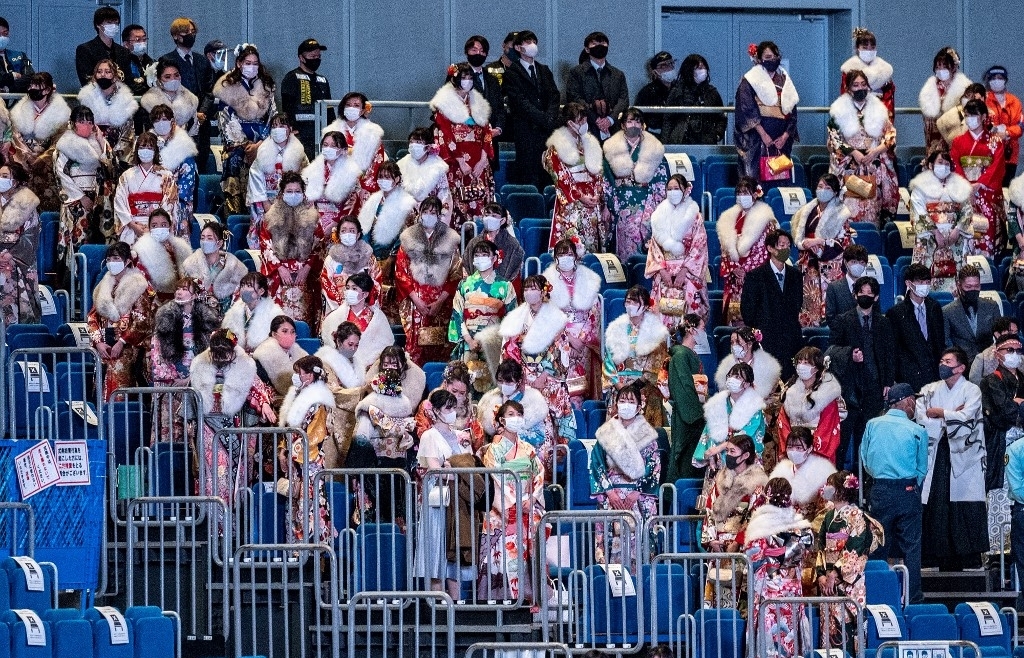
(672,306)
(861,186)
(775,167)
(433,336)
(576,385)
(700,384)
(470,193)
(439,495)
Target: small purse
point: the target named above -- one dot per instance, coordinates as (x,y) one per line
(861,187)
(943,269)
(433,336)
(775,167)
(439,495)
(672,306)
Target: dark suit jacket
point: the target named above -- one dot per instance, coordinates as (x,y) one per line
(958,329)
(846,335)
(583,87)
(495,97)
(197,78)
(838,300)
(533,109)
(776,313)
(89,53)
(135,76)
(917,359)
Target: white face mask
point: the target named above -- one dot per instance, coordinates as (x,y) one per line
(428,221)
(6,184)
(797,456)
(941,171)
(492,223)
(161,234)
(348,239)
(296,380)
(353,297)
(674,196)
(867,56)
(1012,360)
(416,150)
(566,263)
(973,122)
(532,297)
(997,85)
(352,113)
(466,84)
(922,289)
(943,75)
(582,128)
(172,85)
(208,246)
(330,153)
(162,127)
(700,75)
(115,267)
(804,370)
(146,155)
(515,424)
(111,31)
(825,194)
(627,410)
(483,263)
(828,492)
(385,184)
(745,201)
(250,71)
(739,351)
(292,198)
(633,310)
(139,48)
(448,417)
(279,134)
(668,77)
(508,390)
(855,269)
(734,384)
(531,50)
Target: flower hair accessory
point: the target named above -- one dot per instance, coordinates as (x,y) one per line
(759,192)
(452,69)
(851,482)
(230,335)
(581,249)
(752,51)
(758,336)
(242,46)
(827,362)
(150,73)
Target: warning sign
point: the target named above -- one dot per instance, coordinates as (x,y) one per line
(72,463)
(37,469)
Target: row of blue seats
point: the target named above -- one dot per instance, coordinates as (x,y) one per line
(69,633)
(933,622)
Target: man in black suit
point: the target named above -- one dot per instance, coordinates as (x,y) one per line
(772,297)
(197,77)
(598,85)
(919,332)
(860,347)
(533,100)
(488,85)
(839,294)
(107,23)
(968,318)
(135,40)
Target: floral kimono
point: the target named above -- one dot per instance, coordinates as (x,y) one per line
(139,192)
(115,117)
(334,189)
(935,99)
(942,209)
(431,267)
(819,410)
(538,428)
(178,155)
(879,73)
(576,165)
(289,239)
(823,264)
(272,160)
(366,150)
(982,161)
(19,240)
(677,261)
(219,282)
(382,219)
(82,168)
(244,111)
(34,134)
(576,294)
(342,262)
(849,129)
(634,185)
(463,138)
(477,311)
(742,236)
(428,177)
(633,353)
(844,542)
(726,418)
(122,311)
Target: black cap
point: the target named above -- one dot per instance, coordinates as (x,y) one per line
(660,58)
(309,45)
(214,46)
(898,392)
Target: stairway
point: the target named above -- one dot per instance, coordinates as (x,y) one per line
(953,587)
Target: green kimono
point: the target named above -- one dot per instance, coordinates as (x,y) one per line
(687,414)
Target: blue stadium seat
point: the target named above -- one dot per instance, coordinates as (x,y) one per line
(53,321)
(46,250)
(719,174)
(340,500)
(883,587)
(27,403)
(94,255)
(721,633)
(579,464)
(873,641)
(247,260)
(513,188)
(311,344)
(902,263)
(301,329)
(209,193)
(606,619)
(17,640)
(154,637)
(614,306)
(101,640)
(595,419)
(992,646)
(269,515)
(72,638)
(915,609)
(723,202)
(434,370)
(61,614)
(535,238)
(525,204)
(380,560)
(871,239)
(933,627)
(124,419)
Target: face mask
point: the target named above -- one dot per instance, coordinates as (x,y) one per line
(508,390)
(995,84)
(313,64)
(162,127)
(208,246)
(250,71)
(771,65)
(6,184)
(865,301)
(745,201)
(483,263)
(347,353)
(1012,360)
(828,492)
(700,75)
(348,239)
(922,289)
(111,31)
(945,372)
(797,456)
(731,461)
(466,85)
(492,223)
(599,51)
(668,77)
(36,95)
(941,171)
(566,263)
(181,301)
(627,411)
(515,424)
(104,83)
(859,95)
(146,155)
(477,60)
(385,184)
(353,297)
(855,269)
(633,310)
(279,134)
(973,122)
(825,195)
(352,113)
(582,128)
(188,40)
(292,198)
(674,196)
(330,153)
(738,351)
(532,297)
(943,74)
(448,417)
(416,150)
(530,50)
(139,48)
(4,41)
(734,384)
(160,234)
(428,221)
(867,56)
(296,380)
(970,297)
(633,132)
(804,370)
(248,296)
(115,267)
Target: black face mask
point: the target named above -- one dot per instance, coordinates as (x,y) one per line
(731,461)
(600,51)
(104,83)
(312,64)
(970,297)
(865,301)
(36,94)
(476,60)
(188,40)
(860,95)
(771,66)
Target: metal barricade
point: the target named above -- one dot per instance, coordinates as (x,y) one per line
(56,392)
(401,625)
(531,266)
(283,602)
(799,620)
(518,650)
(929,648)
(17,529)
(672,533)
(176,560)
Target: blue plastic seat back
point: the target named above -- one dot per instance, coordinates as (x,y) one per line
(171,476)
(246,258)
(669,581)
(883,587)
(18,641)
(269,516)
(434,370)
(871,240)
(915,609)
(872,630)
(72,638)
(933,627)
(606,619)
(381,558)
(310,344)
(340,499)
(20,595)
(970,629)
(513,188)
(129,427)
(154,637)
(720,628)
(101,641)
(525,204)
(579,464)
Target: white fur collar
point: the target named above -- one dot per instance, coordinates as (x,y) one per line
(830,226)
(259,324)
(1017,191)
(249,106)
(670,224)
(623,445)
(769,520)
(278,363)
(19,210)
(879,71)
(344,178)
(367,136)
(225,283)
(297,403)
(806,481)
(652,154)
(566,146)
(796,404)
(86,152)
(176,150)
(292,158)
(721,423)
(584,293)
(114,303)
(163,269)
(395,406)
(385,226)
(652,335)
(53,119)
(933,105)
(875,115)
(764,87)
(348,374)
(421,178)
(738,245)
(956,187)
(239,377)
(377,336)
(184,104)
(766,371)
(447,102)
(115,111)
(545,328)
(535,408)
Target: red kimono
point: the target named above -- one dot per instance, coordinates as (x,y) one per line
(982,161)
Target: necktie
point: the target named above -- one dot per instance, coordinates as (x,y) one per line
(867,322)
(782,279)
(478,81)
(922,321)
(533,75)
(972,319)
(188,59)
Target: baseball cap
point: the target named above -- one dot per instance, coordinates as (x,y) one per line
(214,46)
(310,45)
(661,58)
(898,392)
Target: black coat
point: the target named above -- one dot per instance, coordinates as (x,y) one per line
(89,53)
(776,313)
(583,86)
(860,389)
(998,389)
(694,128)
(654,94)
(198,78)
(533,109)
(838,300)
(917,359)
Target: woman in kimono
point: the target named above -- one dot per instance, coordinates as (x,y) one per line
(121,318)
(382,218)
(332,184)
(462,133)
(161,256)
(812,399)
(347,254)
(425,174)
(82,164)
(940,207)
(862,143)
(575,161)
(364,141)
(729,500)
(877,70)
(538,429)
(625,468)
(497,225)
(636,347)
(37,121)
(738,409)
(169,91)
(805,470)
(575,290)
(941,92)
(141,190)
(113,108)
(821,231)
(289,245)
(979,155)
(276,356)
(249,317)
(177,155)
(245,103)
(635,174)
(766,114)
(346,378)
(745,347)
(282,153)
(218,272)
(359,306)
(455,379)
(677,259)
(19,240)
(680,386)
(428,269)
(510,526)
(742,230)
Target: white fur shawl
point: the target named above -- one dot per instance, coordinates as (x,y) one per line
(297,403)
(177,149)
(19,210)
(769,520)
(737,245)
(377,336)
(566,146)
(879,71)
(652,154)
(447,102)
(830,226)
(421,178)
(293,158)
(163,268)
(184,105)
(350,375)
(278,363)
(543,330)
(225,283)
(259,324)
(1017,191)
(54,118)
(933,105)
(115,111)
(114,303)
(956,187)
(652,335)
(535,408)
(395,406)
(806,481)
(670,224)
(764,87)
(249,106)
(384,227)
(87,153)
(622,445)
(344,178)
(239,377)
(367,136)
(414,381)
(795,401)
(584,293)
(721,422)
(766,371)
(845,114)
